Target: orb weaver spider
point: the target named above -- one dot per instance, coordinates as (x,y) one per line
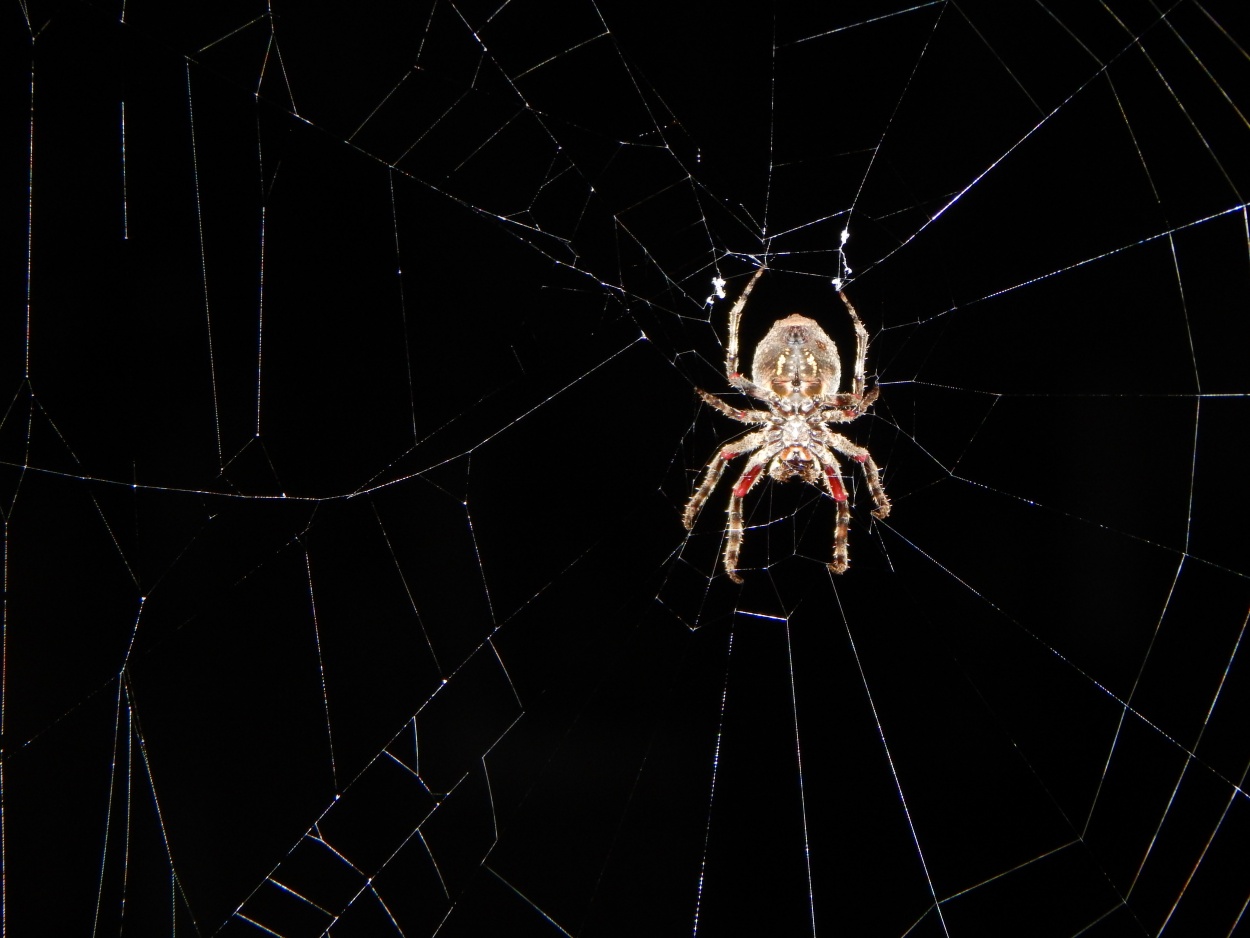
(795,373)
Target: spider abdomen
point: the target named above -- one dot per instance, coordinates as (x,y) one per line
(797,357)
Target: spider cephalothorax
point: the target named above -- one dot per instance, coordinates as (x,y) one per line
(795,372)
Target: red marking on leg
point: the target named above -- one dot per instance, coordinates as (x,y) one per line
(745,483)
(835,484)
(861,459)
(728,454)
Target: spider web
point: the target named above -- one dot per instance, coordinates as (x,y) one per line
(350,418)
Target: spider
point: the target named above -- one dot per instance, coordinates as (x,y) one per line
(795,373)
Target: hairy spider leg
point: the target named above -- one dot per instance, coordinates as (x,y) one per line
(837,491)
(735,316)
(861,354)
(871,473)
(715,468)
(736,378)
(750,474)
(742,416)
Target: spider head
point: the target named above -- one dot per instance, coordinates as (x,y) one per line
(797,360)
(795,462)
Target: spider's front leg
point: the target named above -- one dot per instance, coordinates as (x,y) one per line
(832,473)
(715,469)
(872,474)
(750,474)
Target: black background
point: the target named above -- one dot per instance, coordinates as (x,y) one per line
(350,417)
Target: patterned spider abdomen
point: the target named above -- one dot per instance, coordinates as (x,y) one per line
(796,357)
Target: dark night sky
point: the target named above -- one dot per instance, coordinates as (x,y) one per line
(349,429)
